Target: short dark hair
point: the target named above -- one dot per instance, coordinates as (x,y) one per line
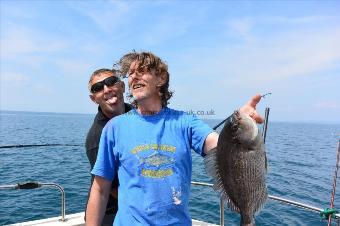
(98,72)
(148,61)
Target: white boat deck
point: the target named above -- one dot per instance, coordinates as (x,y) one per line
(77,219)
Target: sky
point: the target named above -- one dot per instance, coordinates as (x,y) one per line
(220,53)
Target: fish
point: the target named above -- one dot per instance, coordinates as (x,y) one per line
(238,166)
(157,160)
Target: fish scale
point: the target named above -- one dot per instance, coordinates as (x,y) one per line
(238,167)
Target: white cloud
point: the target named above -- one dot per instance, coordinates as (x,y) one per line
(231,72)
(296,20)
(164,29)
(265,59)
(124,21)
(109,17)
(73,67)
(43,89)
(18,40)
(241,27)
(244,26)
(9,10)
(14,79)
(328,104)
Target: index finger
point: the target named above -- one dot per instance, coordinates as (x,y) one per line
(255,100)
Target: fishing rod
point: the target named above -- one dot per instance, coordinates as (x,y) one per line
(331,211)
(265,124)
(40,145)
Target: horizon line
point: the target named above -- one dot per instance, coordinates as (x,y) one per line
(203,118)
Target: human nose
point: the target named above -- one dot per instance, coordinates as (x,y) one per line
(133,77)
(106,88)
(135,74)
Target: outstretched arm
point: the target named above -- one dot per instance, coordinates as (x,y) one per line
(249,108)
(96,206)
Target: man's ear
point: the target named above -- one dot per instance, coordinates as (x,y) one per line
(162,79)
(92,98)
(122,86)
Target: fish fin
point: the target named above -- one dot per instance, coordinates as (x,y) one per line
(261,201)
(210,162)
(230,203)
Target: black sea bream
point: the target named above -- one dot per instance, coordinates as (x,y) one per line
(238,166)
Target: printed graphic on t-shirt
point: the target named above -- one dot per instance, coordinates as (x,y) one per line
(155,161)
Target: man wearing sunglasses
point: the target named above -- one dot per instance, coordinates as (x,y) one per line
(106,90)
(150,148)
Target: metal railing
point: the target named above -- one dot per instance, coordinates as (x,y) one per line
(33,185)
(276,198)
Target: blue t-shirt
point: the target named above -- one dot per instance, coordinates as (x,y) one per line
(152,155)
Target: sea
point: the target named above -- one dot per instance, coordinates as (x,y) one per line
(301,167)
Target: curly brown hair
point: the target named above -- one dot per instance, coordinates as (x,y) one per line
(146,61)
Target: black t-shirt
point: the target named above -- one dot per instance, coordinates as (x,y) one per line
(92,145)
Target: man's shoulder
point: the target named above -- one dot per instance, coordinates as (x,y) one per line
(128,107)
(122,119)
(174,111)
(180,114)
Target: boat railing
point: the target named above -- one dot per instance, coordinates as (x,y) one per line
(276,198)
(33,185)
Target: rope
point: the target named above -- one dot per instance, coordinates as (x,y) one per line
(328,212)
(334,186)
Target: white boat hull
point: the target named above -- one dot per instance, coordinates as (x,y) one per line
(77,219)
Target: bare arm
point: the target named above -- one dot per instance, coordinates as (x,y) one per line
(210,142)
(249,108)
(114,192)
(96,206)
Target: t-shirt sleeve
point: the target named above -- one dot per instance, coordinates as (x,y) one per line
(106,163)
(198,132)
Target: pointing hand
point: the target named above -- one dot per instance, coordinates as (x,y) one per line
(250,108)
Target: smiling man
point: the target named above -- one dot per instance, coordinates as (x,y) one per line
(150,148)
(106,90)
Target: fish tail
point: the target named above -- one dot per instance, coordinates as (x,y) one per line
(247,220)
(251,224)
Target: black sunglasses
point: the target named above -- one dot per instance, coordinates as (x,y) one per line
(99,86)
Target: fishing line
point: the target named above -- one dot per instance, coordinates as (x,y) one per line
(264,95)
(218,125)
(40,145)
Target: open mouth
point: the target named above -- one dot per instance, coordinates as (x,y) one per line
(111,99)
(137,86)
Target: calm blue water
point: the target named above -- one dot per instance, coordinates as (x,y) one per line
(301,158)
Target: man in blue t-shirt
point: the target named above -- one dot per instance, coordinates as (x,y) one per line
(150,147)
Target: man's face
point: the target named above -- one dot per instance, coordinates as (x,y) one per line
(110,98)
(143,84)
